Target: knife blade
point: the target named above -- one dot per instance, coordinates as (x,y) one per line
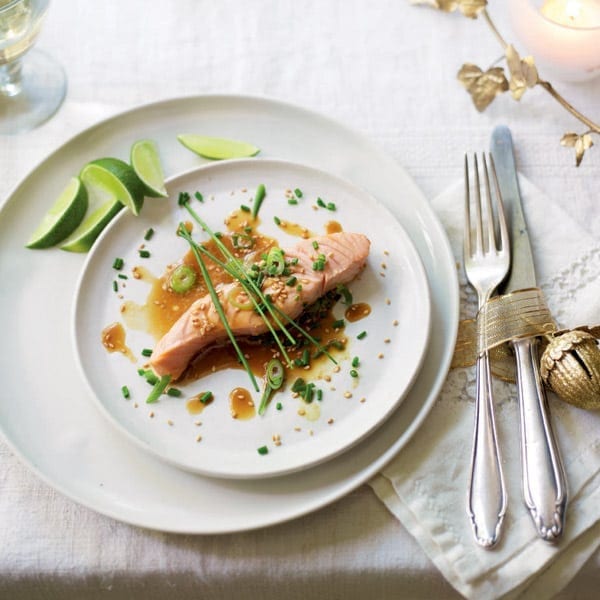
(543,476)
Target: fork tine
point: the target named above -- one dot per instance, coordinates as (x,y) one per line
(478,219)
(504,238)
(467,236)
(490,212)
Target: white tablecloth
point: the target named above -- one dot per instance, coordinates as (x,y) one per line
(385,68)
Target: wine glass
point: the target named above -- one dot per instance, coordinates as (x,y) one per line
(32,87)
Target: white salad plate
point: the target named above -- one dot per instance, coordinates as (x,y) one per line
(48,414)
(393,284)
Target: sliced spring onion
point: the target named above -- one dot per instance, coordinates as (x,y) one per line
(263,450)
(158,389)
(242,240)
(118,264)
(125,391)
(233,298)
(275,373)
(259,196)
(149,233)
(274,377)
(275,262)
(182,279)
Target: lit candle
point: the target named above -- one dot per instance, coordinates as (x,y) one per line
(563,36)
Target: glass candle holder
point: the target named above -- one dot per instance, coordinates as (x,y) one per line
(563,36)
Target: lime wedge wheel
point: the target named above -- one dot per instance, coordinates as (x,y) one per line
(64,216)
(217,148)
(115,178)
(146,164)
(85,235)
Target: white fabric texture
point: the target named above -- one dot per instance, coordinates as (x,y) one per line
(387,69)
(425,486)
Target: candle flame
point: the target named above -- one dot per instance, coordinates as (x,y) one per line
(573,9)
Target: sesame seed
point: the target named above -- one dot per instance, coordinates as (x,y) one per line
(297,428)
(198,438)
(330,421)
(169,422)
(311,432)
(336,369)
(348,395)
(363,400)
(380,355)
(382,274)
(387,340)
(395,322)
(135,405)
(383,266)
(388,301)
(301,412)
(151,415)
(386,252)
(197,423)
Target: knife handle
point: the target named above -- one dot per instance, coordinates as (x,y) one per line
(486,495)
(544,483)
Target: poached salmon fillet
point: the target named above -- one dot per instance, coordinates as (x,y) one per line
(319,264)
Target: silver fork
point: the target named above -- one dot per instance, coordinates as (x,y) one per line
(486,265)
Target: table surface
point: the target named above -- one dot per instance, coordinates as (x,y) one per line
(385,68)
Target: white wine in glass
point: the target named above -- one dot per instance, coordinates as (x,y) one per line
(32,84)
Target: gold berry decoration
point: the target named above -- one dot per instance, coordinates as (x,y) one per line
(570,366)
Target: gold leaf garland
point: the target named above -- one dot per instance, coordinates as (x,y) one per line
(484,85)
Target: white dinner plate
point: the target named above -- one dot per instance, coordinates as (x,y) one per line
(393,284)
(46,412)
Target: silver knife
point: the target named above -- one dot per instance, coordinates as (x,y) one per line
(544,483)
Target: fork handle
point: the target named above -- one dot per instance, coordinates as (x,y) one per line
(544,483)
(486,502)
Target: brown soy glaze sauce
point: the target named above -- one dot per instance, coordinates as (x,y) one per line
(164,306)
(113,339)
(358,311)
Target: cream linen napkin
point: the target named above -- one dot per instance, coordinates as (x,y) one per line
(425,486)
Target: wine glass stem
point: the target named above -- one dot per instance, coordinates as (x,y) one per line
(10,78)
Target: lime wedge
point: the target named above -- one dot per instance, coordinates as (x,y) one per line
(117,179)
(85,235)
(63,217)
(146,164)
(217,148)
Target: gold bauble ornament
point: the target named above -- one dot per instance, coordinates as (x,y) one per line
(570,367)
